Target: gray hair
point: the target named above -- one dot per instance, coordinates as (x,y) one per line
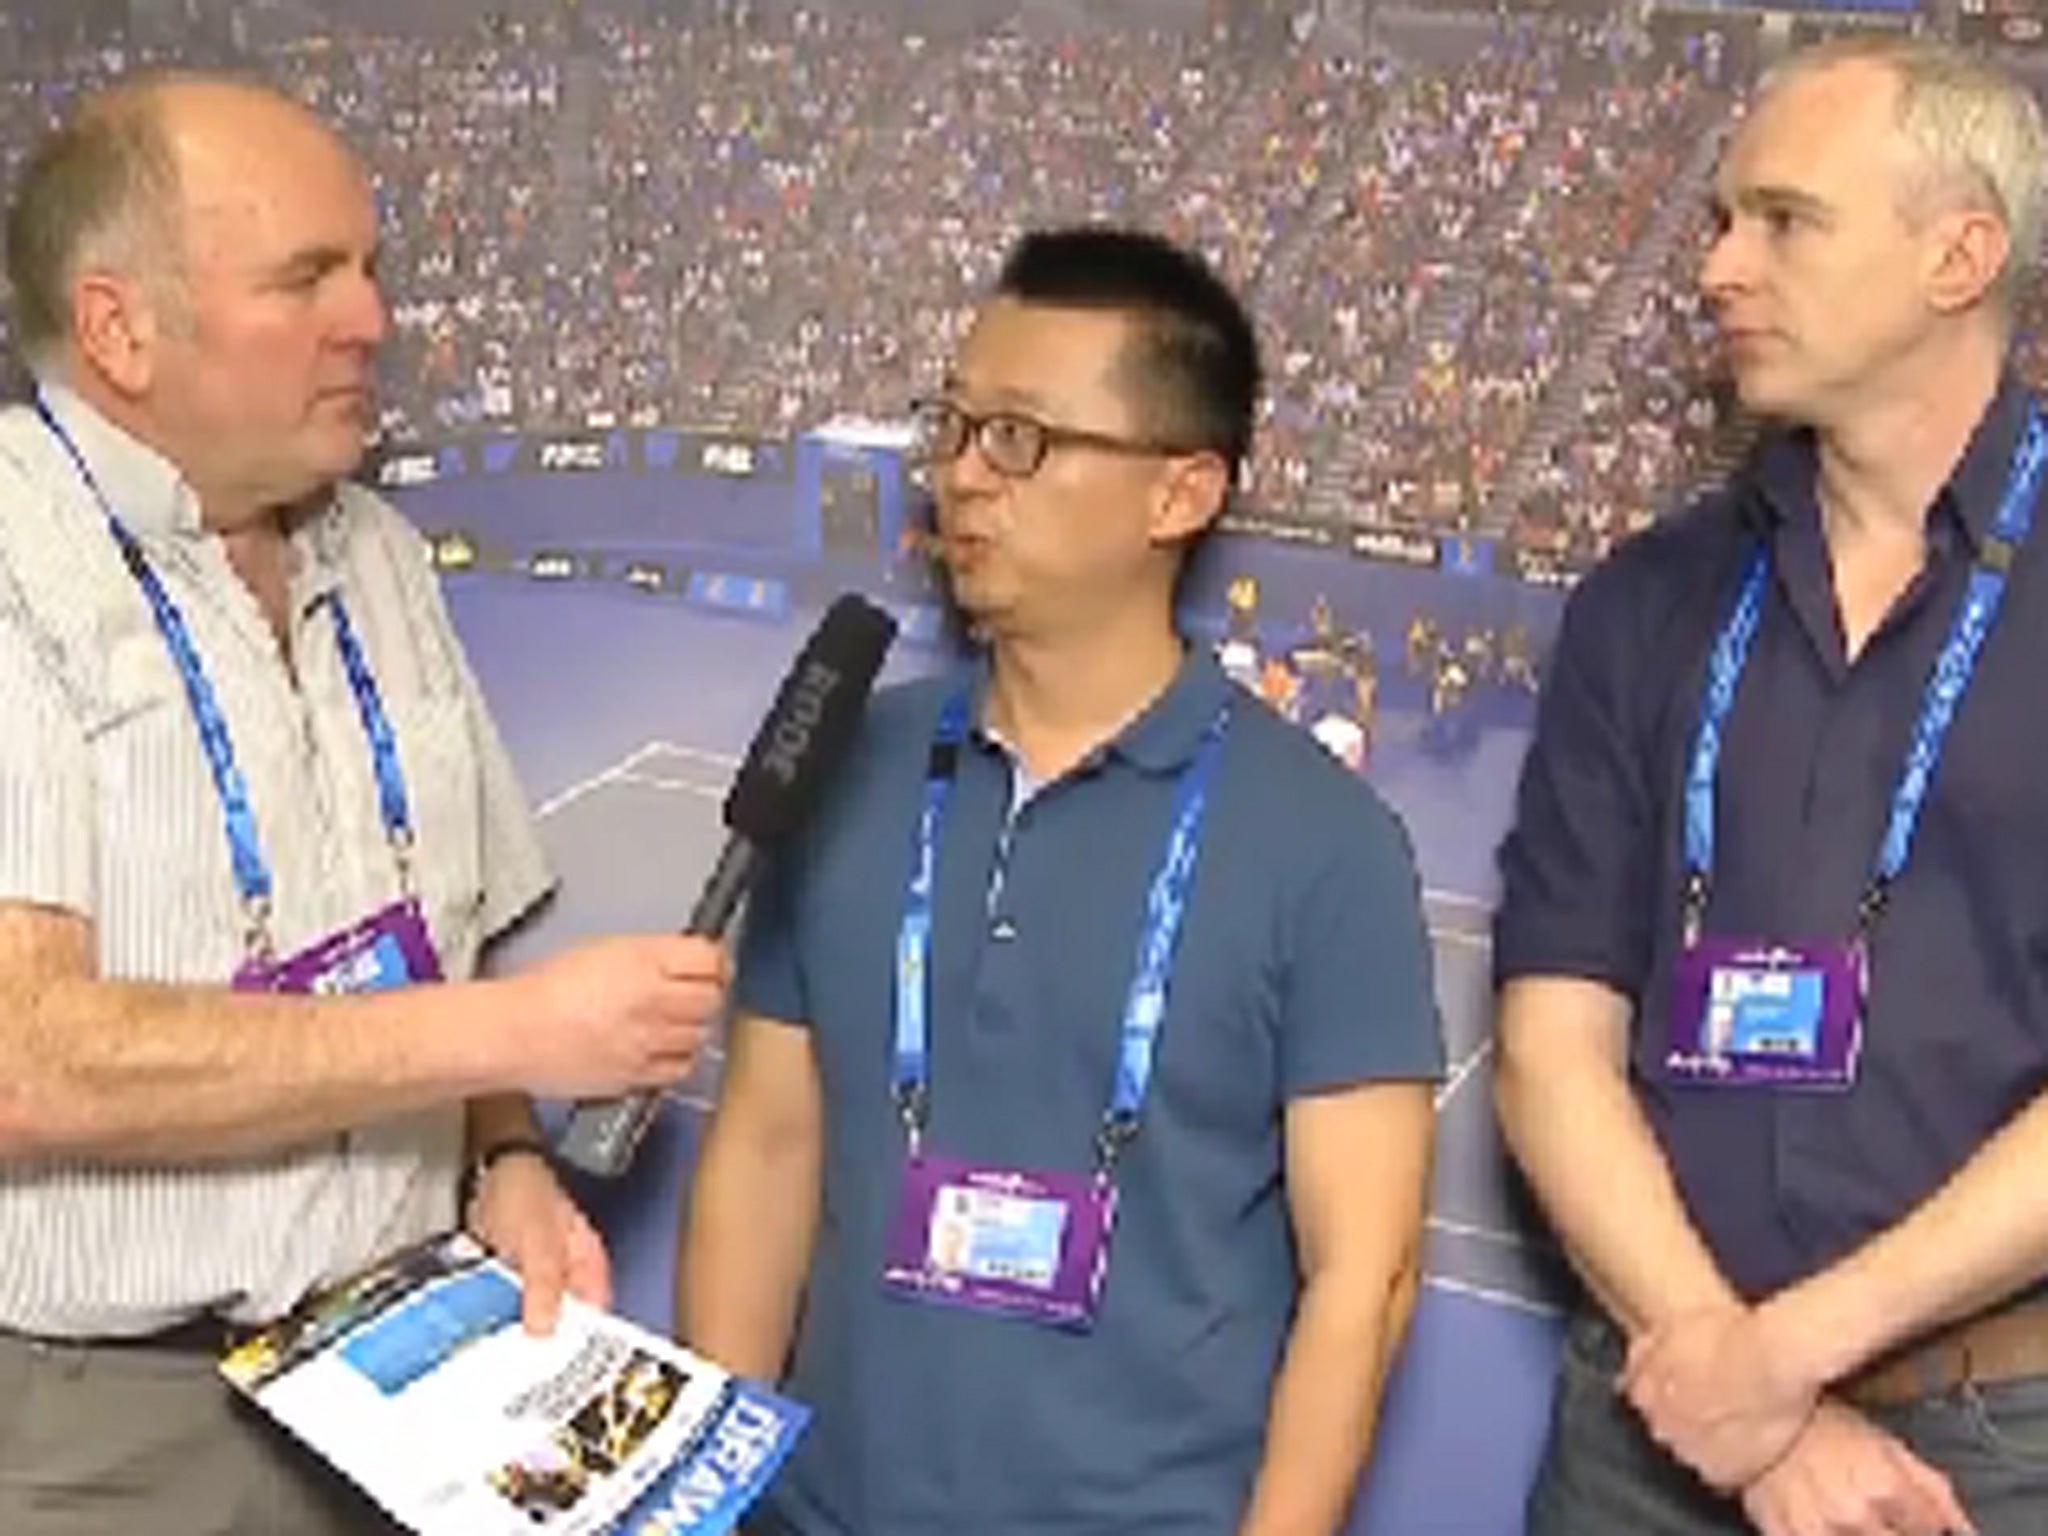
(1976,132)
(102,190)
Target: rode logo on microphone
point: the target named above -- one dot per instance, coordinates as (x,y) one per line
(792,737)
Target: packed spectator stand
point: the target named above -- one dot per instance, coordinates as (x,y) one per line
(1473,271)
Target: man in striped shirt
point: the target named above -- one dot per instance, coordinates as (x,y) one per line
(243,761)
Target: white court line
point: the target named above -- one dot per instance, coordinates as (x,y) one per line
(597,780)
(1495,1235)
(1454,899)
(1462,1071)
(1435,898)
(1492,1296)
(622,772)
(695,754)
(687,786)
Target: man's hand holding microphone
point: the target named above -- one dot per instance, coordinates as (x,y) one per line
(617,1015)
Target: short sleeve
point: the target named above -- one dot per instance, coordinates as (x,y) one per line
(516,875)
(1577,864)
(769,980)
(1359,1000)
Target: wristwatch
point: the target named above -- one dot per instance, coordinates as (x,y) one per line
(474,1170)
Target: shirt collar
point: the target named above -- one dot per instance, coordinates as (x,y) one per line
(1166,734)
(153,500)
(141,487)
(319,538)
(1782,475)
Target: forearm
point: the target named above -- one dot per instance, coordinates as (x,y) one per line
(1326,1402)
(499,1117)
(747,1248)
(1977,1240)
(1581,1139)
(117,1071)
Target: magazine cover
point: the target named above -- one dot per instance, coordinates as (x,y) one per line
(416,1380)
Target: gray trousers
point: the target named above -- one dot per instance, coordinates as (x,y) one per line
(97,1440)
(1602,1474)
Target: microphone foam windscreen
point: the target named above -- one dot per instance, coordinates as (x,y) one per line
(808,730)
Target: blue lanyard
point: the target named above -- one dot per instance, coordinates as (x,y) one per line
(252,876)
(1144,1007)
(1945,689)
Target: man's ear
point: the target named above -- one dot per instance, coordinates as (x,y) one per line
(1192,494)
(115,329)
(1967,251)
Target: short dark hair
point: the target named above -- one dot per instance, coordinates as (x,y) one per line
(1194,365)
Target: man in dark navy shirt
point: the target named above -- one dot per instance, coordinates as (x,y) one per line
(1774,941)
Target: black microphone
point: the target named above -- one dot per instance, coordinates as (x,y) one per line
(804,737)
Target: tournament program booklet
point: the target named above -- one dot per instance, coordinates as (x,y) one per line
(417,1381)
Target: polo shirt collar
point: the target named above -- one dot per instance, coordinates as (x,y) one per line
(1163,738)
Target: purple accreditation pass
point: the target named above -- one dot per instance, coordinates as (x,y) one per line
(996,1240)
(1750,1013)
(391,948)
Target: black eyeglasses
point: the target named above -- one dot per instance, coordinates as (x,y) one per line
(1014,444)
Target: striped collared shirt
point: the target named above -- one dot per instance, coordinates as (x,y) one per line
(108,809)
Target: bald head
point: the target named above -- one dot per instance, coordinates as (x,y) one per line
(196,257)
(129,181)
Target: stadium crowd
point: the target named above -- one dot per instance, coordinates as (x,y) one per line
(762,227)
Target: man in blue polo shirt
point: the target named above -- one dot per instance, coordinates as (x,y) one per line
(1774,943)
(1084,933)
